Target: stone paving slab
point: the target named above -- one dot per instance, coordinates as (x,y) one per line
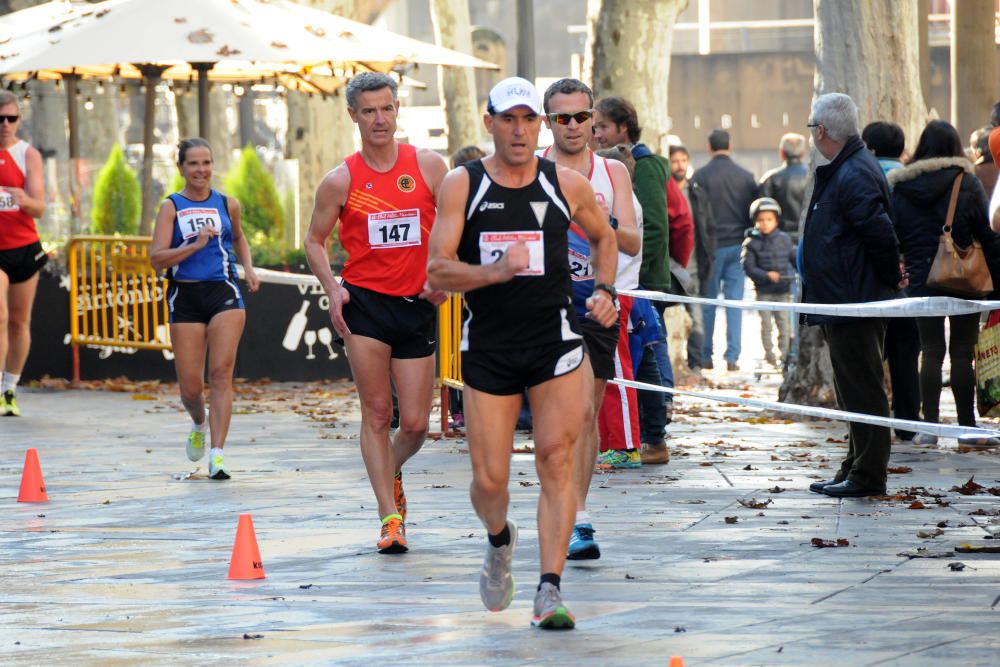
(127,562)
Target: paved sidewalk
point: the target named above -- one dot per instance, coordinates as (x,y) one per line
(127,564)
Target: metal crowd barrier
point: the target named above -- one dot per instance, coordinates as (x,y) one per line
(116,298)
(449,355)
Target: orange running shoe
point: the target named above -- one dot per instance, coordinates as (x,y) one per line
(399,495)
(392,539)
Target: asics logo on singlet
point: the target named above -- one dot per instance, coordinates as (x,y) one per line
(491,206)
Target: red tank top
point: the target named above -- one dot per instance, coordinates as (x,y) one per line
(17,229)
(384,225)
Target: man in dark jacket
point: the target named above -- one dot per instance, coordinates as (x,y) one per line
(787,183)
(730,189)
(849,254)
(703,257)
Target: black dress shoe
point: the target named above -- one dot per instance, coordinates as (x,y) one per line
(817,487)
(850,489)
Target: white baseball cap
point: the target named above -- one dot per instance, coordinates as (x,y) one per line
(514,92)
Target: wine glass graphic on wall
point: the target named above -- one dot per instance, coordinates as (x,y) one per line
(310,338)
(326,337)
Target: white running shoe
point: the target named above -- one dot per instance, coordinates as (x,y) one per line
(217,468)
(496,580)
(196,444)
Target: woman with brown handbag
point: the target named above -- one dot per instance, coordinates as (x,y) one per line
(940,204)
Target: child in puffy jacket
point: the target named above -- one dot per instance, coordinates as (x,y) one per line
(768,257)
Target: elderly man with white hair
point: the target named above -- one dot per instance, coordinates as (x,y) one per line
(849,254)
(787,184)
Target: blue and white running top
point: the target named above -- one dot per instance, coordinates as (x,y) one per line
(214,262)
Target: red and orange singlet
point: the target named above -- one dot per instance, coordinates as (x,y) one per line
(384,225)
(17,228)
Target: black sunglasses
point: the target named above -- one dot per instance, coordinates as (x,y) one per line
(565,118)
(10,119)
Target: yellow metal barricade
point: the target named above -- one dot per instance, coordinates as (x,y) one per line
(116,298)
(449,356)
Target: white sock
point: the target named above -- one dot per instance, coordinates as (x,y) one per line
(10,381)
(582,517)
(215,451)
(202,427)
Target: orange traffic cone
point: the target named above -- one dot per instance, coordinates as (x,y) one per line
(676,661)
(32,484)
(245,562)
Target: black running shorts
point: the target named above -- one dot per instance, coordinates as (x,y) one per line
(201,301)
(601,343)
(507,372)
(407,324)
(20,264)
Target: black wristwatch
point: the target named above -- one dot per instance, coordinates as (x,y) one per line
(610,289)
(614,222)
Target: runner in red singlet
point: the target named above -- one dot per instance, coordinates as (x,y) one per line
(382,311)
(22,198)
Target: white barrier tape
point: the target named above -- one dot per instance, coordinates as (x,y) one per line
(940,430)
(280,277)
(927,306)
(930,306)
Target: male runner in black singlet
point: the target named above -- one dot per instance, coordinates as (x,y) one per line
(500,237)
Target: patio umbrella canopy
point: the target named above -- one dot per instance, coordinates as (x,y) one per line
(188,39)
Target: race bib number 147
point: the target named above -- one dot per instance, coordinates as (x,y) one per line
(394,229)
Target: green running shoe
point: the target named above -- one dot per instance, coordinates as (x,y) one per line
(196,444)
(217,468)
(9,405)
(619,458)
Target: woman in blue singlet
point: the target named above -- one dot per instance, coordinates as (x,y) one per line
(197,232)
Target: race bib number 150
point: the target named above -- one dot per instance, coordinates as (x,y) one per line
(394,229)
(191,220)
(492,246)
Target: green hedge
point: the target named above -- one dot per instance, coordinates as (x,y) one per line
(117,197)
(254,187)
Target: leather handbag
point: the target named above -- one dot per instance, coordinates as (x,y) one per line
(959,271)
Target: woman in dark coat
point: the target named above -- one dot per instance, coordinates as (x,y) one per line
(920,195)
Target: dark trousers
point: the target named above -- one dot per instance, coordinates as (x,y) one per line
(964,334)
(856,354)
(652,404)
(902,351)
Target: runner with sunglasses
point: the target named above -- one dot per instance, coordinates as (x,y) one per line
(22,198)
(500,237)
(569,115)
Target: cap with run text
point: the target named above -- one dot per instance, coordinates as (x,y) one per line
(514,92)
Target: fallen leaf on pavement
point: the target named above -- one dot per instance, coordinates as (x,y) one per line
(924,552)
(916,505)
(901,470)
(776,489)
(731,519)
(820,543)
(977,549)
(970,488)
(956,567)
(754,504)
(929,534)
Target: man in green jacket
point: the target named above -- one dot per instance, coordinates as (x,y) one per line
(616,122)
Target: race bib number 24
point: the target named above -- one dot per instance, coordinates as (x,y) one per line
(492,246)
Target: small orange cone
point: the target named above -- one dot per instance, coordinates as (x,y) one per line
(676,661)
(245,562)
(32,484)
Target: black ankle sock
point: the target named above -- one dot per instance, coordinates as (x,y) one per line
(500,539)
(549,577)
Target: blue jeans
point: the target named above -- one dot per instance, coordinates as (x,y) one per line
(729,273)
